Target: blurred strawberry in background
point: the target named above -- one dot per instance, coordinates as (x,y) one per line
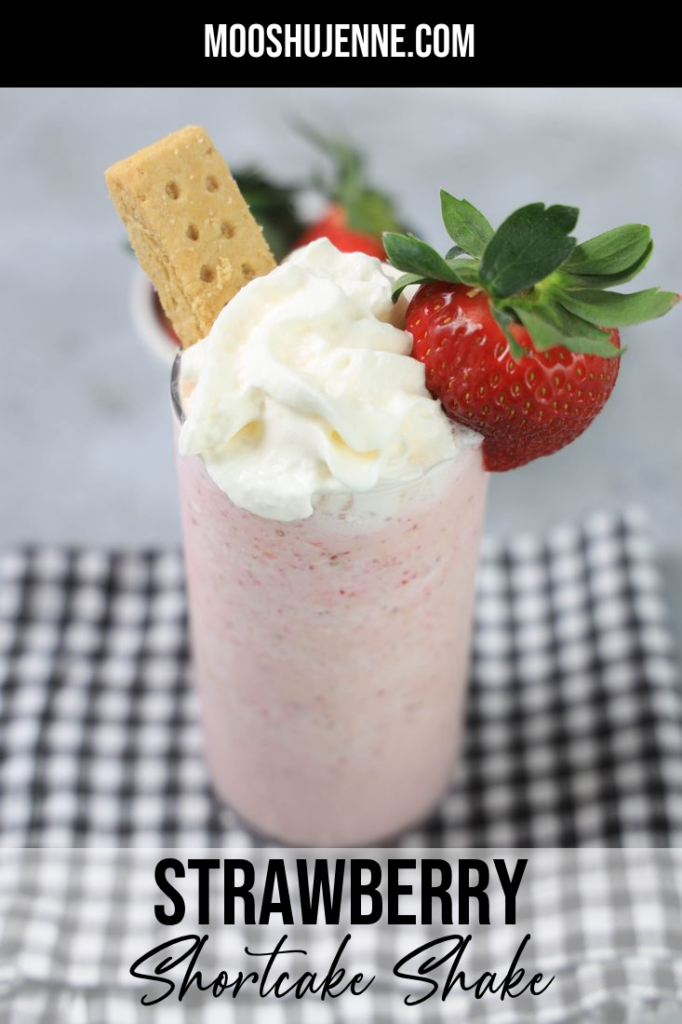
(357,214)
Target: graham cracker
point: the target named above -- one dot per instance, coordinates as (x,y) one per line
(190,227)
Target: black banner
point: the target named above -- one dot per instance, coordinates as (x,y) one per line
(520,48)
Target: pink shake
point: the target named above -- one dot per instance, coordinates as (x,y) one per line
(331,517)
(330,652)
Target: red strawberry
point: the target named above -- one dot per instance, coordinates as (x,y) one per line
(334,226)
(357,215)
(524,408)
(516,328)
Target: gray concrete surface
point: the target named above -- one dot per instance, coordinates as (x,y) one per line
(86,450)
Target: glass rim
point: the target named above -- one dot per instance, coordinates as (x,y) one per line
(178,411)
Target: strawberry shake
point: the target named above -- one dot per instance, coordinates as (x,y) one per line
(334,445)
(331,518)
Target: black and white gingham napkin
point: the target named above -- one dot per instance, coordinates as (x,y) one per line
(574,732)
(574,738)
(605,924)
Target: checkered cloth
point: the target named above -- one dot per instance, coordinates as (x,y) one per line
(574,738)
(606,924)
(574,731)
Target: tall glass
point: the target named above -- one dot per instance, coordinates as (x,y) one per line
(331,653)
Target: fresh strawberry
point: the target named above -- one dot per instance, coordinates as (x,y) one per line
(357,215)
(516,328)
(469,367)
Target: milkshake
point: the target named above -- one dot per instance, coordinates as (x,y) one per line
(330,590)
(333,448)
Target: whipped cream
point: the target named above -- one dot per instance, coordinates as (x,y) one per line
(305,387)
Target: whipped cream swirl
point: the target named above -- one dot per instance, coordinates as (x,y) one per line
(305,386)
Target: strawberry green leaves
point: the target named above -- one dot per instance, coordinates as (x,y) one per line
(537,276)
(415,256)
(404,282)
(530,244)
(366,208)
(505,321)
(608,280)
(610,253)
(609,259)
(424,264)
(466,225)
(372,211)
(467,271)
(613,309)
(551,325)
